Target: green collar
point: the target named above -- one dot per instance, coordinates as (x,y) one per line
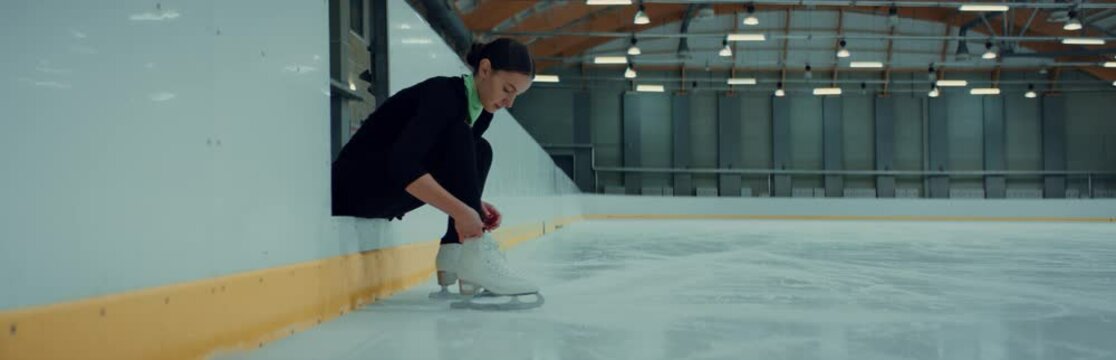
(475,106)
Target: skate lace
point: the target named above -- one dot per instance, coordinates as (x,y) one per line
(496,260)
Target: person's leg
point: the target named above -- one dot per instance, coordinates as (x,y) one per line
(482,158)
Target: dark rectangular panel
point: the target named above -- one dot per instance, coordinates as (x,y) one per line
(728,144)
(1054,144)
(680,125)
(885,145)
(379,48)
(938,149)
(994,158)
(631,142)
(833,154)
(780,144)
(583,160)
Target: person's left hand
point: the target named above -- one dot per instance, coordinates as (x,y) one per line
(492,217)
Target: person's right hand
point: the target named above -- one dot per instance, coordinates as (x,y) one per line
(468,225)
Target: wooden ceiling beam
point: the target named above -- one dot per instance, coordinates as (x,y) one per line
(488,14)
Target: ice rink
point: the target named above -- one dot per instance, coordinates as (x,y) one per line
(695,289)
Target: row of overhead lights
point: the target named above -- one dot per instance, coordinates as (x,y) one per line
(641,18)
(830,91)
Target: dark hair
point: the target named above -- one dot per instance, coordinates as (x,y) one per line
(504,54)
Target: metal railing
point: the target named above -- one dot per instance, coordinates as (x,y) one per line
(1090,176)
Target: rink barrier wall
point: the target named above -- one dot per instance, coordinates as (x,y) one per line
(197,319)
(242,311)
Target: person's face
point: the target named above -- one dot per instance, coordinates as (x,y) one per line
(498,89)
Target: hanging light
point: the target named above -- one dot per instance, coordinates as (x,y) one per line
(827,91)
(843,52)
(1073,24)
(989,53)
(1031,91)
(934,92)
(984,8)
(780,93)
(809,72)
(641,16)
(608,2)
(726,51)
(630,72)
(633,49)
(751,20)
(984,91)
(932,74)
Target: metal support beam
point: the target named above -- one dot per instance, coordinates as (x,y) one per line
(785,36)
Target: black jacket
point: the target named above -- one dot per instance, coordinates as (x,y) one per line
(396,140)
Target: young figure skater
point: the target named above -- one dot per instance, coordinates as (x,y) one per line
(424,146)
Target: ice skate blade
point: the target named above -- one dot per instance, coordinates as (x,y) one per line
(446,295)
(514,302)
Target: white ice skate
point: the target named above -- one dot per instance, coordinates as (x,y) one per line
(483,266)
(447,264)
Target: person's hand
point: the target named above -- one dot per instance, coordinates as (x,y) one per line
(468,225)
(492,217)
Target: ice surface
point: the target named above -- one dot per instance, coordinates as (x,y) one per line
(766,290)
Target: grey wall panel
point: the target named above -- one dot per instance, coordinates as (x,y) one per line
(755,144)
(680,121)
(1054,144)
(582,134)
(703,136)
(1023,139)
(633,146)
(885,144)
(1091,131)
(806,139)
(938,146)
(728,143)
(780,144)
(857,138)
(833,155)
(994,159)
(655,139)
(551,118)
(966,140)
(606,120)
